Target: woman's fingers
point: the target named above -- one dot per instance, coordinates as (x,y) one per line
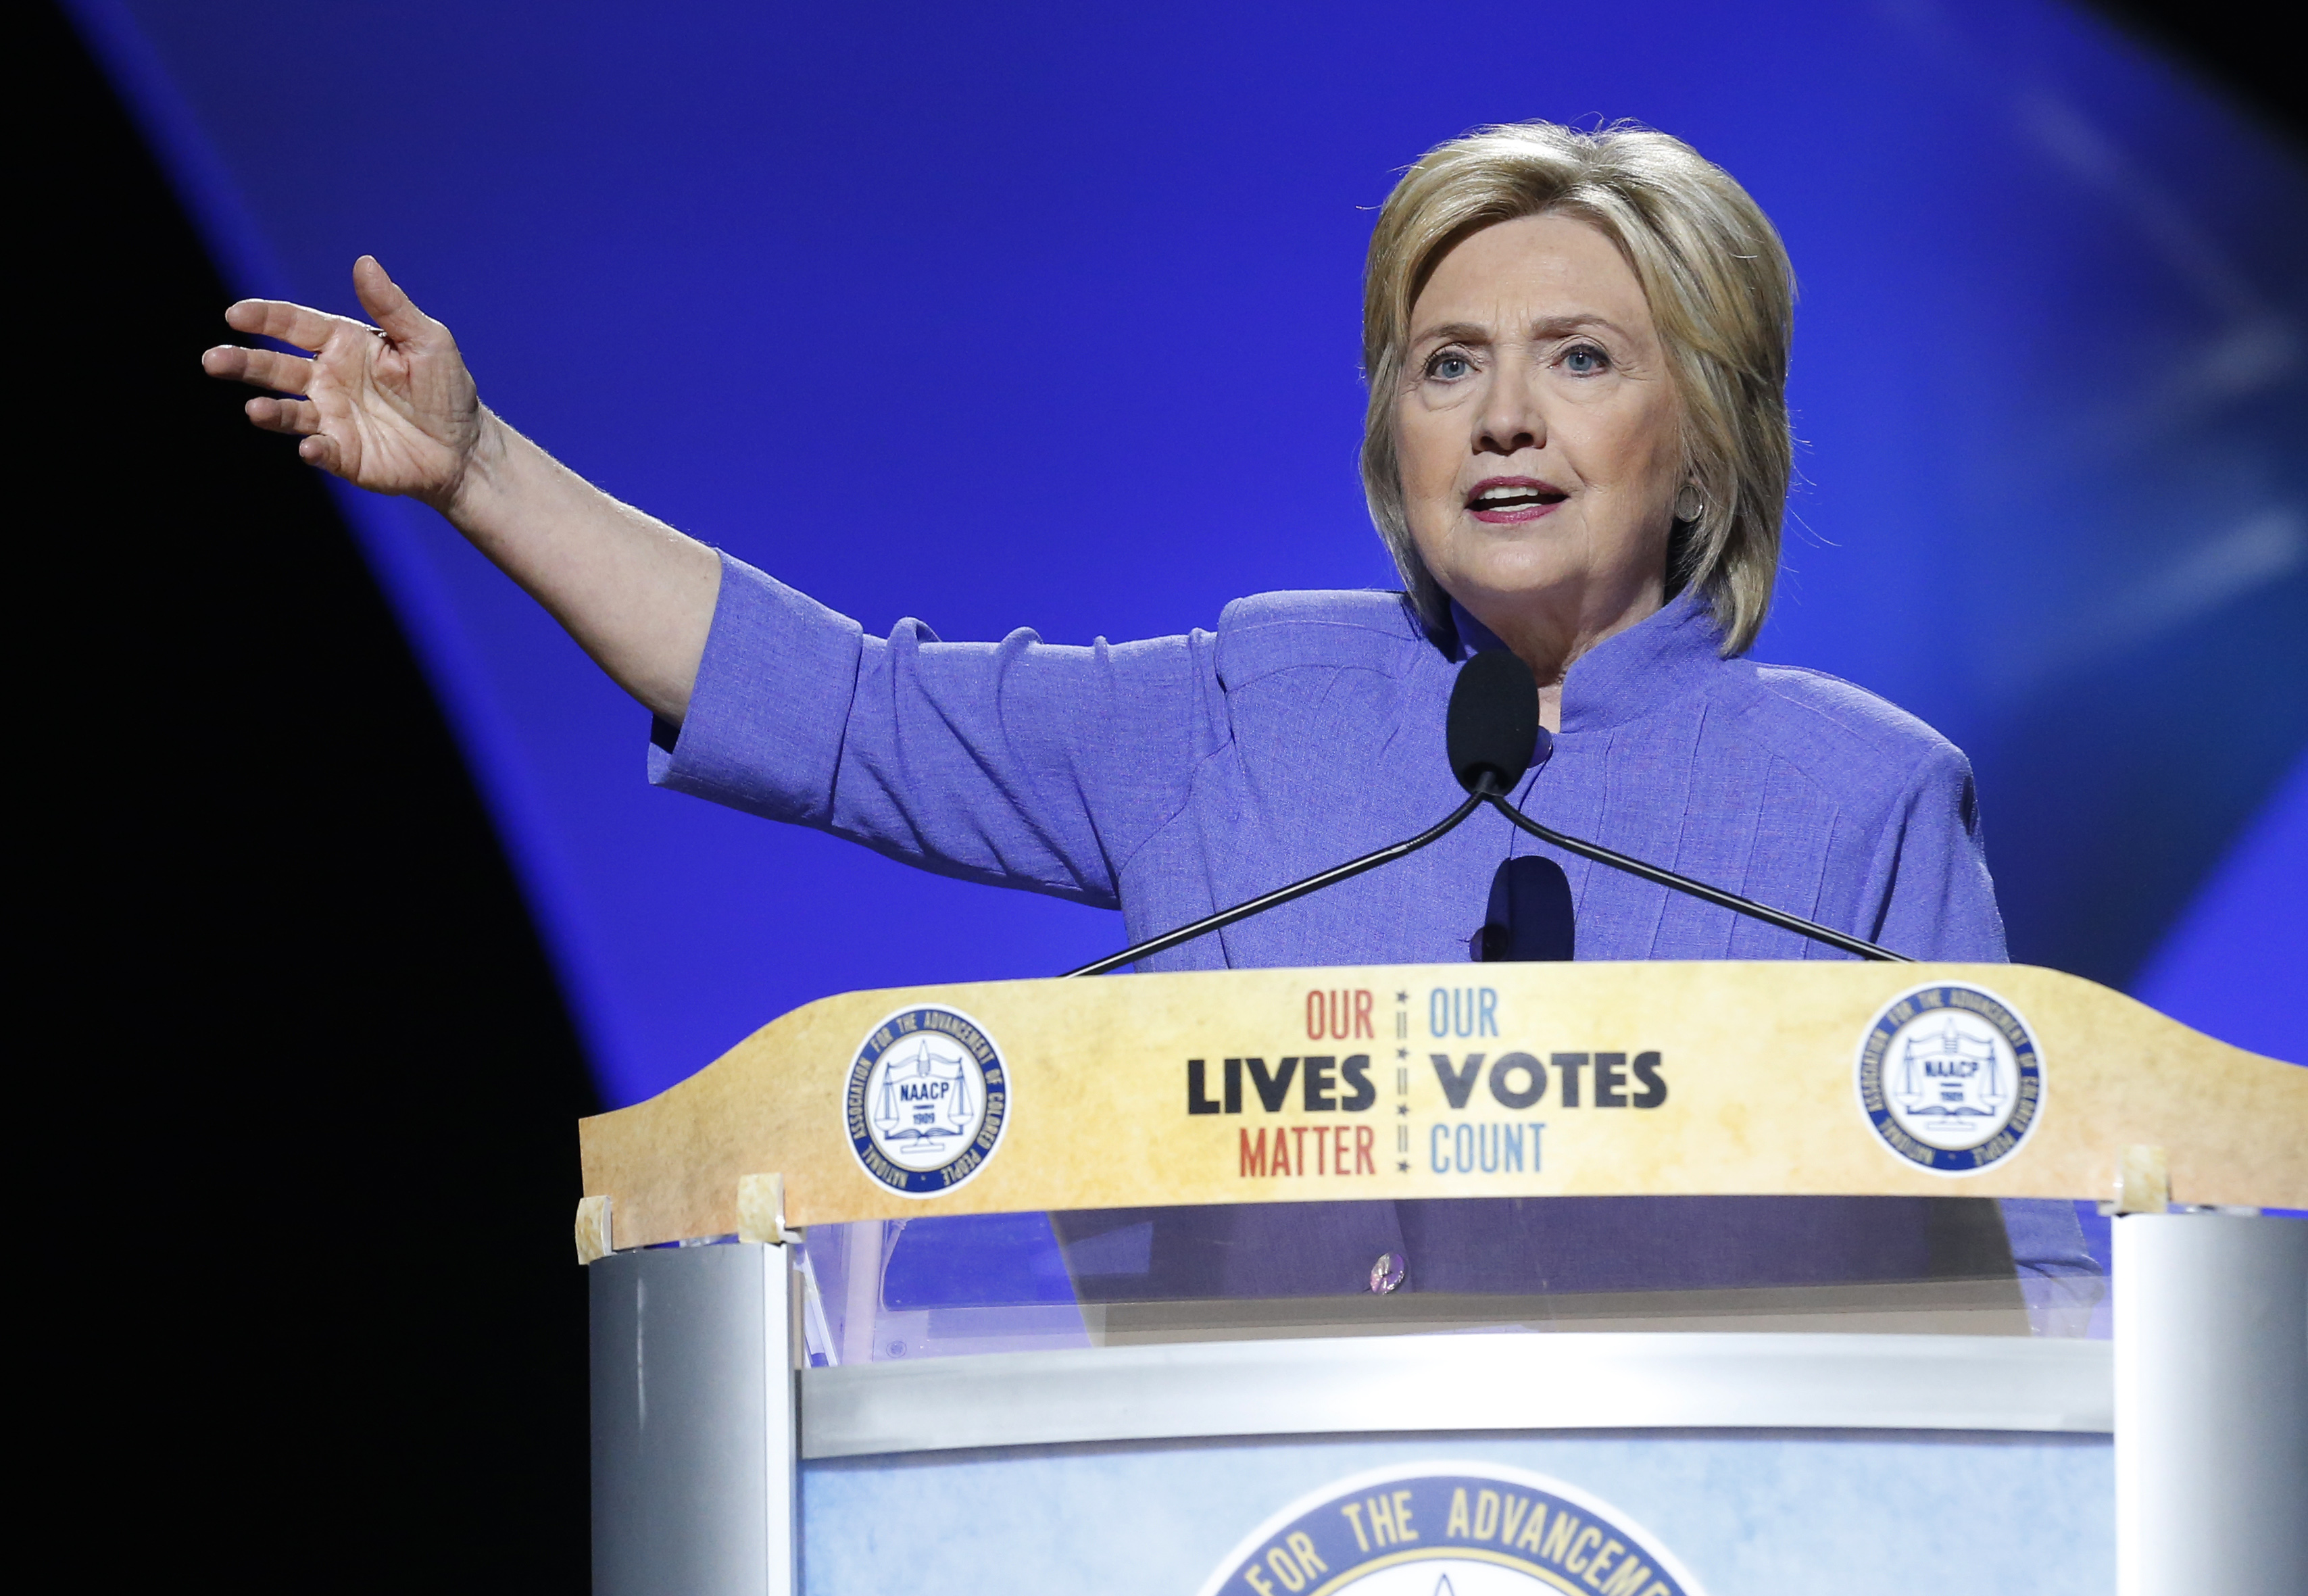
(383,299)
(402,414)
(262,368)
(284,415)
(297,325)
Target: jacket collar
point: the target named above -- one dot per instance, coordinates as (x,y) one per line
(1627,675)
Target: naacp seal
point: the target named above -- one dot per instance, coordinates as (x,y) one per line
(1951,1077)
(1449,1529)
(927,1099)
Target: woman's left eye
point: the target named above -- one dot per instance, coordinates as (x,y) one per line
(1584,360)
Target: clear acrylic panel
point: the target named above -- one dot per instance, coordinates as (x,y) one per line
(949,1286)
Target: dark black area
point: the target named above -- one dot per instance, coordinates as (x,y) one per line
(2237,45)
(305,1108)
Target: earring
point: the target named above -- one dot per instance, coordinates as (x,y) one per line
(1689,504)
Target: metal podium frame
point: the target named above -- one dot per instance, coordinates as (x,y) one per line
(701,1419)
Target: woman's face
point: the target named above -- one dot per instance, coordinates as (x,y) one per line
(1539,435)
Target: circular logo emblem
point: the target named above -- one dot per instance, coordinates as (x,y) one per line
(927,1099)
(1449,1529)
(1950,1078)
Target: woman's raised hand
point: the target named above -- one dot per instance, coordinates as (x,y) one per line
(389,407)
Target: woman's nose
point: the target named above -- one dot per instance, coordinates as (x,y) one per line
(1510,421)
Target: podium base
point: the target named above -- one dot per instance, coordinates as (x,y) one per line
(1791,1461)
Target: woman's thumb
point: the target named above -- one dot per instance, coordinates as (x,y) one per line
(386,304)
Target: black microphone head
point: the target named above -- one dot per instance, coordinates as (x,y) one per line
(1493,726)
(1531,916)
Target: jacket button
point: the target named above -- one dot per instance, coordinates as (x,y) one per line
(1387,1274)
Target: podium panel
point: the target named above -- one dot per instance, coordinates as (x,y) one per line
(1803,1515)
(1421,1083)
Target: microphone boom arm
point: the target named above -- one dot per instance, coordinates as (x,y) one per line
(1697,889)
(1283,895)
(1486,791)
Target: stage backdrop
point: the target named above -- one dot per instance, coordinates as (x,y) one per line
(1032,315)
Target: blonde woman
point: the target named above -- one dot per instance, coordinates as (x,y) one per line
(1576,449)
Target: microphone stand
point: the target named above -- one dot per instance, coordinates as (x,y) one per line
(1283,895)
(1697,889)
(1486,791)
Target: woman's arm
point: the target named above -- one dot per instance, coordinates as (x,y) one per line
(1937,899)
(1017,763)
(393,408)
(1014,763)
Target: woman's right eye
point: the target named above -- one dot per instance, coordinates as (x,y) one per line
(1449,365)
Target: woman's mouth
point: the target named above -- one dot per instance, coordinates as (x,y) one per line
(1505,499)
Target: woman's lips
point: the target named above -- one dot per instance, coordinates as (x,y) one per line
(1502,501)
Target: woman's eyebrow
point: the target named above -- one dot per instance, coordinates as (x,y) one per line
(1556,326)
(1453,332)
(1468,332)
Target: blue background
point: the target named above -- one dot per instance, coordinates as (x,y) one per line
(1015,315)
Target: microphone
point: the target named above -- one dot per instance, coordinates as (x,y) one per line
(1506,678)
(1494,734)
(1490,737)
(1530,917)
(1490,734)
(1493,730)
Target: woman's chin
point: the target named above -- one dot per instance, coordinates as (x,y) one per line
(1522,580)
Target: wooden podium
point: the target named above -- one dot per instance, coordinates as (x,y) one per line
(739,1231)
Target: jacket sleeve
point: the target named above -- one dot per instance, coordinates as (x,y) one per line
(1015,763)
(1938,901)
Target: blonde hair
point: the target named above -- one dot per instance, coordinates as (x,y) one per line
(1721,293)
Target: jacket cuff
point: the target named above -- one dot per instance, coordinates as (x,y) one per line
(771,703)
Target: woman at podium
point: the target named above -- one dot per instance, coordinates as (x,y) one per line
(1576,448)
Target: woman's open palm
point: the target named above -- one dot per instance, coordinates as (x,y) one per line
(389,407)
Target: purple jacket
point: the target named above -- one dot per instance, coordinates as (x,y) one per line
(1172,777)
